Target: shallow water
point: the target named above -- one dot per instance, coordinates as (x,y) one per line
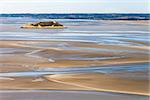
(97,69)
(104,32)
(85,46)
(65,95)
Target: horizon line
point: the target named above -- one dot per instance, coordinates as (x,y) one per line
(74,13)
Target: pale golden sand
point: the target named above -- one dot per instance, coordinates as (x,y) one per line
(33,83)
(31,56)
(20,56)
(48,69)
(119,82)
(104,82)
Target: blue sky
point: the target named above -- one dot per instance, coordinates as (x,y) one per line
(74,6)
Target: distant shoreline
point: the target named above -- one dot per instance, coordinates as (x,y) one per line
(128,17)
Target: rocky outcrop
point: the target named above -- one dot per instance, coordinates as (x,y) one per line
(48,25)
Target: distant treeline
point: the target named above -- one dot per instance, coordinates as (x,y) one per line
(84,16)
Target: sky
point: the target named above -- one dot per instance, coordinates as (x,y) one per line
(74,6)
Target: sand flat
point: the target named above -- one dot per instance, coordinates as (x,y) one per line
(66,95)
(33,83)
(28,53)
(103,82)
(89,56)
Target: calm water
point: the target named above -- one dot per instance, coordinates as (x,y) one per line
(115,33)
(81,30)
(108,69)
(102,32)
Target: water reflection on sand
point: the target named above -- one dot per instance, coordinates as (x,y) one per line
(109,56)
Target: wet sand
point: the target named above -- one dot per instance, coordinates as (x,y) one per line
(104,82)
(126,80)
(31,54)
(66,95)
(33,83)
(109,61)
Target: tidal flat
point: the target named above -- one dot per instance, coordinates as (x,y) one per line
(88,60)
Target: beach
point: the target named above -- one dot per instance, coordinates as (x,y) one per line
(66,95)
(88,60)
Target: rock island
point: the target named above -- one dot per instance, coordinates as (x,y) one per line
(47,25)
